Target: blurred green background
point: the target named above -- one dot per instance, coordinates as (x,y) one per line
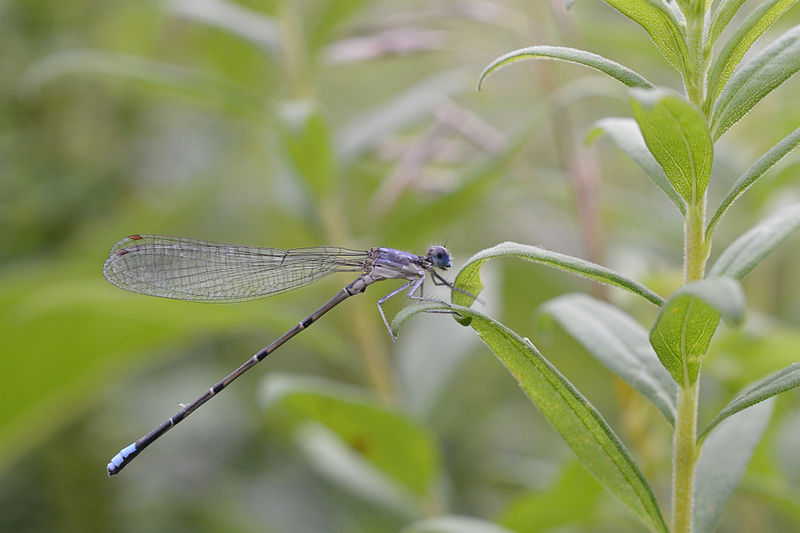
(352,123)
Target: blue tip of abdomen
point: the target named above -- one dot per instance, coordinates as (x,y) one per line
(116,461)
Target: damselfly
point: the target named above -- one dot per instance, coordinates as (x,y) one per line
(205,271)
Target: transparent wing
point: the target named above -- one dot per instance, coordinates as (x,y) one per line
(205,271)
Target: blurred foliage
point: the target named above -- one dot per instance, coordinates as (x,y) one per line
(353,123)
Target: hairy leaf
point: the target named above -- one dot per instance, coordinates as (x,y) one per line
(756,79)
(576,420)
(468,278)
(688,320)
(627,135)
(740,42)
(676,134)
(764,163)
(619,343)
(723,461)
(662,25)
(723,14)
(779,382)
(572,55)
(746,252)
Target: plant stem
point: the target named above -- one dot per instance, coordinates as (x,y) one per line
(685,456)
(697,69)
(695,250)
(685,448)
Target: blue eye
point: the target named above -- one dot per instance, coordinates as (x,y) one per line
(439,256)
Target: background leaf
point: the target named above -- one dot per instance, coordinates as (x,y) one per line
(676,134)
(386,440)
(572,498)
(454,524)
(190,82)
(746,252)
(723,461)
(255,27)
(620,343)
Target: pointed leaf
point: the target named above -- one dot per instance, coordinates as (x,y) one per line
(723,14)
(573,55)
(686,323)
(740,42)
(764,163)
(779,382)
(662,25)
(620,343)
(627,135)
(576,420)
(746,252)
(756,79)
(468,278)
(676,134)
(723,461)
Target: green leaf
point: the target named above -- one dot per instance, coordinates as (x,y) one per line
(723,14)
(307,142)
(251,25)
(676,134)
(336,460)
(388,441)
(627,135)
(779,382)
(750,249)
(183,80)
(662,25)
(572,55)
(454,524)
(764,163)
(572,499)
(598,448)
(618,342)
(740,42)
(756,79)
(469,277)
(686,323)
(723,461)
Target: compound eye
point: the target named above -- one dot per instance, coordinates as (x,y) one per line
(440,257)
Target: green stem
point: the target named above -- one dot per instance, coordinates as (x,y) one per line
(685,456)
(695,80)
(695,251)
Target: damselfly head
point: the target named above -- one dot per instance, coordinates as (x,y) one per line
(439,256)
